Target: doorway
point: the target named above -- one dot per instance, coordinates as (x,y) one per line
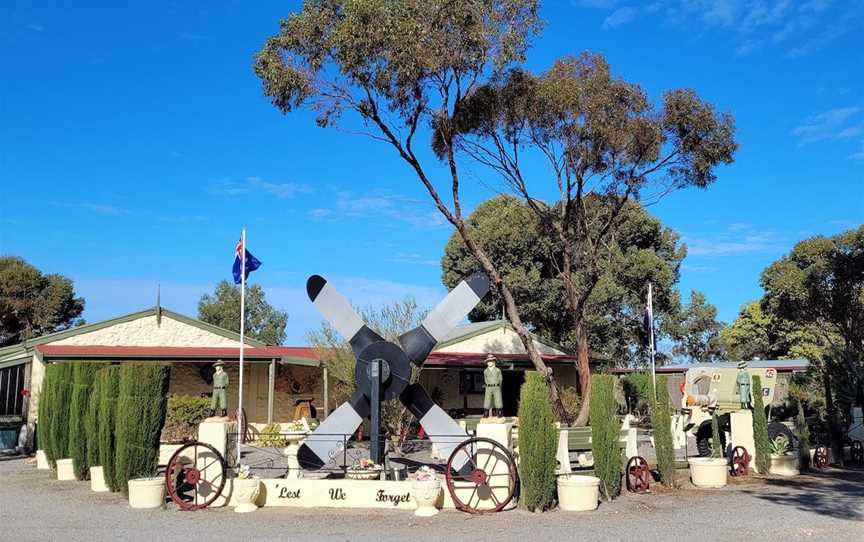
(510,386)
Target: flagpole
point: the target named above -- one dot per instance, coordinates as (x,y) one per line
(651,338)
(242,334)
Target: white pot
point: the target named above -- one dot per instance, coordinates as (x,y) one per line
(65,469)
(147,492)
(708,471)
(426,493)
(246,493)
(578,493)
(42,460)
(784,465)
(97,480)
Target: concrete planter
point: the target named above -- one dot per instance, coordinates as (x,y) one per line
(65,469)
(42,460)
(708,471)
(784,465)
(578,493)
(246,493)
(147,492)
(97,480)
(425,493)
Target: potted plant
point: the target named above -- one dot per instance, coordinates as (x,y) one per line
(66,469)
(148,492)
(365,469)
(710,471)
(425,490)
(578,493)
(783,461)
(246,490)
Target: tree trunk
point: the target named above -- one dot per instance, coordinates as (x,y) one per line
(834,430)
(582,363)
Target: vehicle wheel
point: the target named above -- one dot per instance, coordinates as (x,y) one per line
(776,429)
(704,437)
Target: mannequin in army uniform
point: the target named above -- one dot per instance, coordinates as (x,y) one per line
(742,381)
(219,399)
(492,402)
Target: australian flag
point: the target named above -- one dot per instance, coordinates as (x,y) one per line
(252,263)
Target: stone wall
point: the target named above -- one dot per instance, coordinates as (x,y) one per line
(144,331)
(500,340)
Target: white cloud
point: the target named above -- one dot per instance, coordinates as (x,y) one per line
(833,124)
(35,27)
(619,17)
(381,204)
(99,208)
(858,155)
(738,238)
(229,187)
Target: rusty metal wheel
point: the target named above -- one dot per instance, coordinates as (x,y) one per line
(740,461)
(820,457)
(481,476)
(638,475)
(195,476)
(856,451)
(243,432)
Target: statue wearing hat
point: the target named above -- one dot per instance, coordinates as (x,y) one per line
(219,399)
(492,377)
(742,381)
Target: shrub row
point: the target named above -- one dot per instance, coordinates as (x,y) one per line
(605,432)
(109,385)
(537,445)
(761,439)
(81,392)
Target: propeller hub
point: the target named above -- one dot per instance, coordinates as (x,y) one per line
(395,369)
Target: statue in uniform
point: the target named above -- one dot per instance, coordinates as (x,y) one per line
(742,381)
(492,402)
(219,399)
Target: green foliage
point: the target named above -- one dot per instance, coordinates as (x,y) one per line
(571,401)
(43,429)
(760,429)
(141,406)
(698,331)
(661,424)
(61,394)
(34,304)
(82,380)
(271,436)
(182,417)
(802,432)
(109,385)
(537,445)
(716,443)
(780,445)
(91,420)
(263,321)
(605,433)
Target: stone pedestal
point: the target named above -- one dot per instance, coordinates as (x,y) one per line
(215,431)
(741,427)
(498,430)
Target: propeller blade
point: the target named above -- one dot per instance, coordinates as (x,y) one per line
(324,445)
(418,342)
(336,309)
(438,425)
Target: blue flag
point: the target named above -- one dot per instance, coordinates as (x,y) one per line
(252,263)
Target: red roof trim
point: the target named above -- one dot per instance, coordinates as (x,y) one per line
(261,352)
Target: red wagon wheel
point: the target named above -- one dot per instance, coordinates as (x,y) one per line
(857,451)
(195,476)
(638,475)
(481,476)
(740,461)
(243,426)
(820,457)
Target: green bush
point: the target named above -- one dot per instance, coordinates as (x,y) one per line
(184,414)
(91,420)
(43,427)
(140,416)
(109,387)
(61,391)
(571,401)
(760,429)
(537,444)
(271,436)
(605,433)
(802,431)
(660,410)
(716,443)
(82,381)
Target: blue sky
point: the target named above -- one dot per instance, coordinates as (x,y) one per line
(135,143)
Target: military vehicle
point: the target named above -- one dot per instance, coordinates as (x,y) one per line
(711,388)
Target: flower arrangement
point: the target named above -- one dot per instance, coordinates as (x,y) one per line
(296,426)
(271,436)
(780,445)
(367,464)
(426,474)
(245,472)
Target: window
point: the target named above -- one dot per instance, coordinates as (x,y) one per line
(471,382)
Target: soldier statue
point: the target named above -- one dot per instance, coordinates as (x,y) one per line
(492,402)
(743,383)
(219,399)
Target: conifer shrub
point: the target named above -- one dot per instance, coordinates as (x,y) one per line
(605,433)
(802,431)
(661,425)
(761,439)
(82,381)
(91,420)
(45,410)
(716,443)
(141,406)
(538,443)
(61,392)
(109,386)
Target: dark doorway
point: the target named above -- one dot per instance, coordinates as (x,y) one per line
(512,383)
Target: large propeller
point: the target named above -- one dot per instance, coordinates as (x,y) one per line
(394,361)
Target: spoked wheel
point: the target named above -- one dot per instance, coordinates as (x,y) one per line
(740,461)
(242,426)
(638,475)
(820,457)
(481,476)
(857,451)
(195,476)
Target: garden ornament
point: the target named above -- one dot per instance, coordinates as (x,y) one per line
(219,399)
(743,383)
(492,402)
(383,372)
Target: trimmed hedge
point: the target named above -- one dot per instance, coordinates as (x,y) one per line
(537,445)
(109,385)
(61,392)
(184,414)
(140,417)
(605,432)
(716,446)
(43,427)
(660,410)
(802,431)
(82,381)
(91,420)
(760,429)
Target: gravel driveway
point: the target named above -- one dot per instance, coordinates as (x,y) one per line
(827,506)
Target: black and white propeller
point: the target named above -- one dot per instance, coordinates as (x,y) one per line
(324,445)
